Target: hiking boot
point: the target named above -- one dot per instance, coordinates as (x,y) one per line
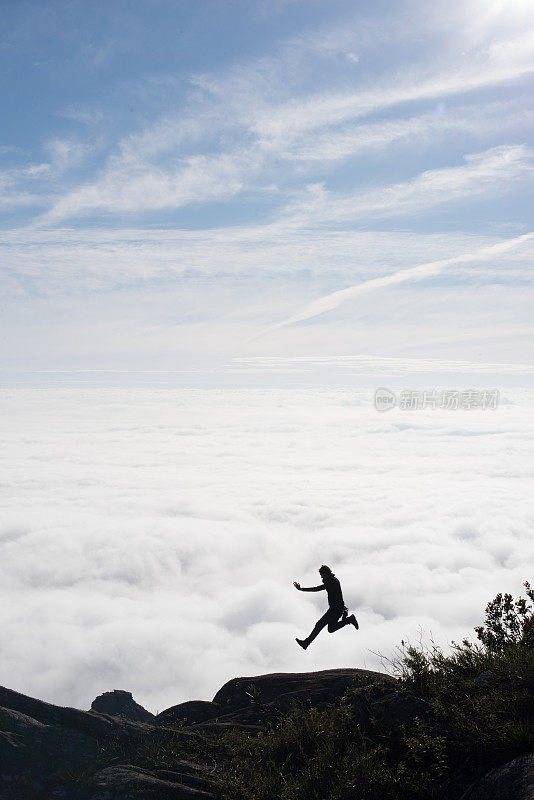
(303,643)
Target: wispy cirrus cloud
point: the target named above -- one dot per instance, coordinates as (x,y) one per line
(419,272)
(503,62)
(35,183)
(263,115)
(483,174)
(207,178)
(430,127)
(65,260)
(201,179)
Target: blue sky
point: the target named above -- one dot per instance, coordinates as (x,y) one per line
(180,178)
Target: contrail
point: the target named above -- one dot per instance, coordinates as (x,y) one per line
(335,299)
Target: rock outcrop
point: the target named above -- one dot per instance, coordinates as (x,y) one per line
(326,685)
(512,781)
(249,703)
(189,713)
(119,751)
(184,782)
(119,703)
(48,751)
(85,722)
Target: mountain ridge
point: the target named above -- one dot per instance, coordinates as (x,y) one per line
(118,750)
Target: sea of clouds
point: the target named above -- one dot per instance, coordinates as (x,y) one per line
(149,537)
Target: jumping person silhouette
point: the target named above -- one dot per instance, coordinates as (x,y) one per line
(336,606)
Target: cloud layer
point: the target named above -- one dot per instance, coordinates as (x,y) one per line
(150,538)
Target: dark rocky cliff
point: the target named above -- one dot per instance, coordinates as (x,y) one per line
(47,751)
(120,751)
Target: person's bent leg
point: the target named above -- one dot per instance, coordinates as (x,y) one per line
(333,624)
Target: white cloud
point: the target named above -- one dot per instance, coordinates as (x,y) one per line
(201,179)
(67,260)
(32,183)
(230,131)
(150,538)
(86,116)
(354,139)
(130,184)
(504,62)
(18,199)
(66,153)
(485,174)
(379,365)
(419,272)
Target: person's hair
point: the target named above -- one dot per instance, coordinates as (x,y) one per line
(324,570)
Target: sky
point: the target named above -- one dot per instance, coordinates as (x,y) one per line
(180,178)
(223,225)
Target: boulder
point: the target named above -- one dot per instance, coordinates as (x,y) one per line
(33,755)
(248,703)
(189,713)
(512,781)
(128,782)
(119,703)
(327,684)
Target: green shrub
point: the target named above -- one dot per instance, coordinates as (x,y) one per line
(508,622)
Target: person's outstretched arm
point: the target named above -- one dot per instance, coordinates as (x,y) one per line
(309,588)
